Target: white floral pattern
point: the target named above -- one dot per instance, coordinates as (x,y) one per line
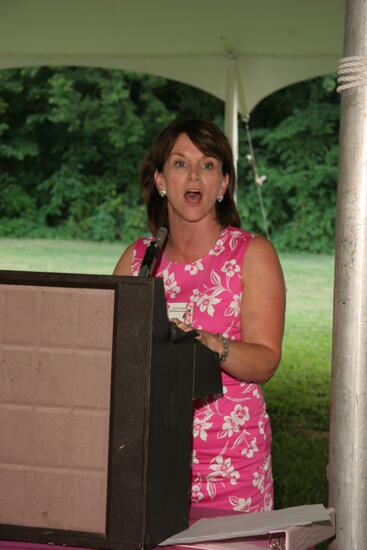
(201,425)
(194,268)
(205,303)
(196,494)
(234,421)
(223,469)
(231,460)
(230,268)
(240,504)
(170,284)
(234,307)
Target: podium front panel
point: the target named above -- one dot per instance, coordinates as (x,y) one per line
(95,409)
(56,359)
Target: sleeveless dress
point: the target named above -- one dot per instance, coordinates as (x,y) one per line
(231,458)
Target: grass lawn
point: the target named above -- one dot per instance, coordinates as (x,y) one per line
(59,256)
(297,396)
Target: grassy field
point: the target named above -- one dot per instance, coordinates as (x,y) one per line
(59,256)
(298,395)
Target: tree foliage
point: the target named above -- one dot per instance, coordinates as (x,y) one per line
(296,140)
(72,141)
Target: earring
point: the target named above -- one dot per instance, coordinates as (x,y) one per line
(162,193)
(220,198)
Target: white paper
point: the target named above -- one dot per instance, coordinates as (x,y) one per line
(249,525)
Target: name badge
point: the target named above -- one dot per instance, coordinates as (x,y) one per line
(178,310)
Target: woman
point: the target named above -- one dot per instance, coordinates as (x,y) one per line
(227,283)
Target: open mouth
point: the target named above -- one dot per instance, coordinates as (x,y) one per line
(193,196)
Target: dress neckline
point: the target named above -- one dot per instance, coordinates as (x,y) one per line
(214,251)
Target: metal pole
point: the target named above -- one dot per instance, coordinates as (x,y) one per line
(231,107)
(348,432)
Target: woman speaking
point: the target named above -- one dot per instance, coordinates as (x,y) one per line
(228,284)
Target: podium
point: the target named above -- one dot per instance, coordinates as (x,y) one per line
(95,411)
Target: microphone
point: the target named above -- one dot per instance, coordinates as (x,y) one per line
(152,253)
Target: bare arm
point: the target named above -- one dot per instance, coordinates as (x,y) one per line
(124,264)
(255,358)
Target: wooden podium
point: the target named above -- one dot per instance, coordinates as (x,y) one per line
(95,411)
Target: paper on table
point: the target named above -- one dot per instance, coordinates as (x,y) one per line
(249,525)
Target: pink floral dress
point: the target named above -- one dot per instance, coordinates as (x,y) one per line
(231,459)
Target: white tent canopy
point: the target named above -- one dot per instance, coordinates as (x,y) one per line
(275,42)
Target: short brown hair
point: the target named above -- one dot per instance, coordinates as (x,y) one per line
(207,137)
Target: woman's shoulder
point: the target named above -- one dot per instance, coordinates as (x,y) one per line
(236,235)
(237,239)
(138,250)
(250,249)
(124,263)
(130,260)
(261,255)
(240,232)
(142,243)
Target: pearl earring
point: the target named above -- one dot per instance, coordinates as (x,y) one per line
(220,198)
(162,193)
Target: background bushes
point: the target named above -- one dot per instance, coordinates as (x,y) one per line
(72,141)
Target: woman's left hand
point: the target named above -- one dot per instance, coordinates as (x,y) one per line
(210,340)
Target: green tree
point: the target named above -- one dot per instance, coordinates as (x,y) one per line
(298,151)
(72,141)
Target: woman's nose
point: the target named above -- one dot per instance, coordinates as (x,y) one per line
(193,173)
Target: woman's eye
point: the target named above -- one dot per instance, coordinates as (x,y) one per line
(179,163)
(208,165)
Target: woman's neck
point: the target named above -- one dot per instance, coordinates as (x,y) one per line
(191,241)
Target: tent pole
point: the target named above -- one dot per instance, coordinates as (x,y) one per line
(348,430)
(231,106)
